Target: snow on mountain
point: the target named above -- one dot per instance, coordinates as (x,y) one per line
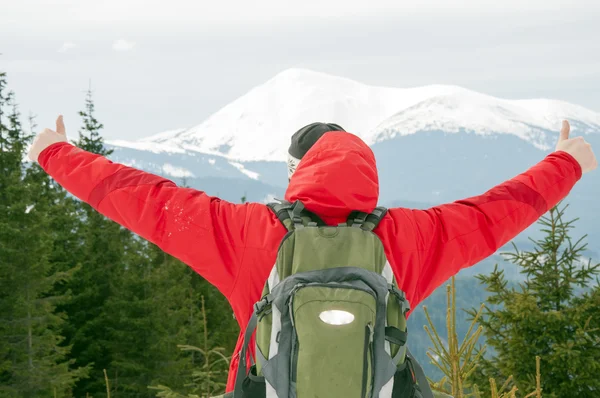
(258,125)
(482,114)
(149,146)
(175,171)
(161,137)
(252,174)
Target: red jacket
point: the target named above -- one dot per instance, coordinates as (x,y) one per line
(234,246)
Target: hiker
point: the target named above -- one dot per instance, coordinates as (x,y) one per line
(332,180)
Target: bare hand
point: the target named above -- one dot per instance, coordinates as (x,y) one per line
(46,138)
(578,148)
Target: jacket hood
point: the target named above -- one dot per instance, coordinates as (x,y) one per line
(336,176)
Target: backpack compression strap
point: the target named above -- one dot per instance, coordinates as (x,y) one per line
(366,221)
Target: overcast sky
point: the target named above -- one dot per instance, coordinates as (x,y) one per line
(156,65)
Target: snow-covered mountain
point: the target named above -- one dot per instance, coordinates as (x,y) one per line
(258,125)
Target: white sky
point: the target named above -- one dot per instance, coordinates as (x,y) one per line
(157,65)
(69,13)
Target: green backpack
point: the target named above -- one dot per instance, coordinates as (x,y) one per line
(331,321)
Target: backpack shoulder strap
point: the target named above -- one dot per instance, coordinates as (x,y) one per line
(375,218)
(291,214)
(366,221)
(422,381)
(282,210)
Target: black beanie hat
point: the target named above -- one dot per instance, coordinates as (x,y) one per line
(304,139)
(307,136)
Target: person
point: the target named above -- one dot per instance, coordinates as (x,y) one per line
(332,172)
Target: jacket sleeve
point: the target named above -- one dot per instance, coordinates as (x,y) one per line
(204,232)
(457,235)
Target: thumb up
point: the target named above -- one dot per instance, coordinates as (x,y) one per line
(46,138)
(576,147)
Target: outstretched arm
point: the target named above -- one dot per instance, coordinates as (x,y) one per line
(454,236)
(204,232)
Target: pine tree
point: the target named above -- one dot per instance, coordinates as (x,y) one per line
(128,324)
(89,135)
(105,252)
(459,360)
(176,316)
(554,314)
(33,360)
(210,376)
(171,311)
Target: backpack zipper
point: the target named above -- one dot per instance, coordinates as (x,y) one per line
(368,353)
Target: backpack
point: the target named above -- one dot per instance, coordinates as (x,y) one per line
(331,321)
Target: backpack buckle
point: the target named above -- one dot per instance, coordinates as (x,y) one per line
(262,304)
(356,219)
(400,297)
(396,292)
(296,214)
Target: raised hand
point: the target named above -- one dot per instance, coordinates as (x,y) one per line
(46,138)
(577,147)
